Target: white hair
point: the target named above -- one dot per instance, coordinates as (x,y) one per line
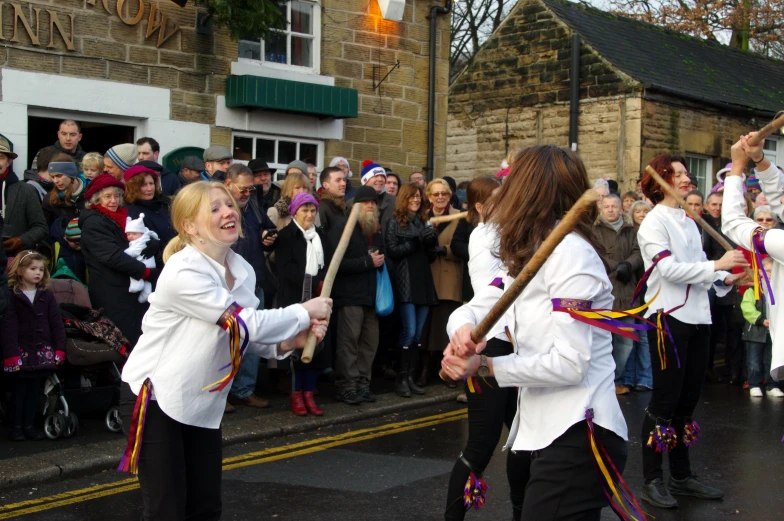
(96,197)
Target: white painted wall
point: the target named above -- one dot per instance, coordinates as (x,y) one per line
(278,123)
(146,108)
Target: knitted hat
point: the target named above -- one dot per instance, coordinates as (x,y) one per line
(72,231)
(135,225)
(300,199)
(122,155)
(138,169)
(371,170)
(752,181)
(101,182)
(66,168)
(338,159)
(299,165)
(365,193)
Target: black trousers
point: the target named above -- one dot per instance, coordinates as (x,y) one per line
(25,392)
(559,482)
(179,470)
(488,412)
(724,318)
(676,391)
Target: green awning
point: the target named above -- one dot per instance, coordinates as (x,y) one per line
(291,96)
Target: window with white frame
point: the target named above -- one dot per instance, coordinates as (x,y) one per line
(701,167)
(277,151)
(771,149)
(297,45)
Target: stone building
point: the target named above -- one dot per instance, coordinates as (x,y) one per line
(642,91)
(131,68)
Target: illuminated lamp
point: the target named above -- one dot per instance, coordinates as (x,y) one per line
(392,9)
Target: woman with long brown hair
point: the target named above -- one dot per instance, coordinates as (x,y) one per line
(680,273)
(408,240)
(143,197)
(562,366)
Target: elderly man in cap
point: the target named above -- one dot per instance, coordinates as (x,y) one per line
(375,176)
(25,226)
(267,194)
(354,293)
(118,159)
(191,171)
(217,159)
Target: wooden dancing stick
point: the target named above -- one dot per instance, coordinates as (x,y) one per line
(767,130)
(448,218)
(529,271)
(694,215)
(332,271)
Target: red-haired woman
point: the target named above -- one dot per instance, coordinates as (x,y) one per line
(563,367)
(680,273)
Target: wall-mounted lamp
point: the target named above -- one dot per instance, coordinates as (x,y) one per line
(392,9)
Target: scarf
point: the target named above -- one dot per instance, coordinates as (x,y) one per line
(336,200)
(315,251)
(282,206)
(117,217)
(616,225)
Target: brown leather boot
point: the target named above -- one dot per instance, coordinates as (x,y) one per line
(251,401)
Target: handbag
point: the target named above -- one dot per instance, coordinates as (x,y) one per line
(385,300)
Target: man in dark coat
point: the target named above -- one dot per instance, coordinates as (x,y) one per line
(255,227)
(3,278)
(191,170)
(267,193)
(170,183)
(103,244)
(354,295)
(375,176)
(24,223)
(68,137)
(622,257)
(333,204)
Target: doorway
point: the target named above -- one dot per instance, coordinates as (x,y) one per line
(96,137)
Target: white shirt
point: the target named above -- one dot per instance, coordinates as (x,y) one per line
(666,228)
(562,366)
(739,229)
(182,348)
(484,266)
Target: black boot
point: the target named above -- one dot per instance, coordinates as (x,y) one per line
(401,383)
(413,360)
(425,367)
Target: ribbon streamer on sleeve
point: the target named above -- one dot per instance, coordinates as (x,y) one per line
(230,320)
(757,251)
(645,276)
(130,459)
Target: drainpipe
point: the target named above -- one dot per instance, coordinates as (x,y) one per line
(574,96)
(435,11)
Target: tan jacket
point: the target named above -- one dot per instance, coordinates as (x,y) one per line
(448,271)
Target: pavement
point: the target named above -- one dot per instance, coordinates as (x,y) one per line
(397,466)
(94,450)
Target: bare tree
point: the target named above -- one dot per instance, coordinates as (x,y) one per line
(473,21)
(746,24)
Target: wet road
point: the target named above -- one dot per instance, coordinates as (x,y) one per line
(397,467)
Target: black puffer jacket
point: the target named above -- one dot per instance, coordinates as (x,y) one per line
(355,284)
(110,270)
(407,259)
(156,217)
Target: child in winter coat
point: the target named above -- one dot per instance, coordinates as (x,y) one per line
(144,246)
(32,340)
(756,334)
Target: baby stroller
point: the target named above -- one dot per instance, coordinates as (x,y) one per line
(89,381)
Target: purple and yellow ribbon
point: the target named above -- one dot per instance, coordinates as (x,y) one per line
(645,276)
(230,320)
(130,459)
(757,250)
(474,492)
(621,499)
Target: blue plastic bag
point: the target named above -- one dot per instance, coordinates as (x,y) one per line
(385,300)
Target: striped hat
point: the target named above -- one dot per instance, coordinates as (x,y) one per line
(122,155)
(371,170)
(72,231)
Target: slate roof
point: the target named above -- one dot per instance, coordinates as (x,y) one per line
(678,64)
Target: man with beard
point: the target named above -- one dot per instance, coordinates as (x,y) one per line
(375,176)
(354,294)
(267,193)
(255,227)
(332,209)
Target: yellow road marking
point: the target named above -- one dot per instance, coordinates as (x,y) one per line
(245,460)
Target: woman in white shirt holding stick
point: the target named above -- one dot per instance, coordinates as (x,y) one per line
(202,318)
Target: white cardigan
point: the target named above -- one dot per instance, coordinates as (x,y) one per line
(484,266)
(561,365)
(666,228)
(182,348)
(739,229)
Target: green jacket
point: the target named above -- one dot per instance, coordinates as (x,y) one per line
(754,314)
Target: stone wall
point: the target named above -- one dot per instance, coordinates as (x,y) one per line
(524,71)
(130,44)
(392,123)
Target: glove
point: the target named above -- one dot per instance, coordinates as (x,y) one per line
(440,251)
(623,273)
(428,236)
(12,245)
(59,357)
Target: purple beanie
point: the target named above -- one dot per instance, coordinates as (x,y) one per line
(300,199)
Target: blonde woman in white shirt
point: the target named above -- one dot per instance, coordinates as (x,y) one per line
(563,367)
(681,275)
(202,316)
